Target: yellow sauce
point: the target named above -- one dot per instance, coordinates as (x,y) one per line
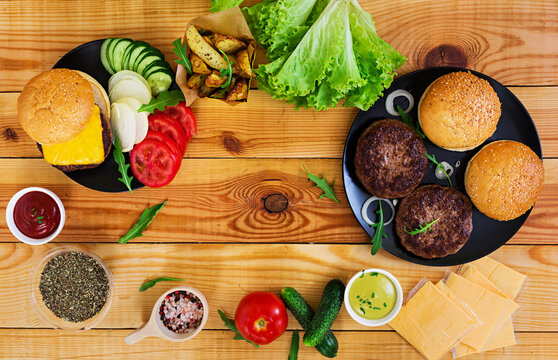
(372,296)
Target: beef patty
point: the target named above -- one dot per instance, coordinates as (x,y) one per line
(426,204)
(389,159)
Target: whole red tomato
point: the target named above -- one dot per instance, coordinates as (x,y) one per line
(261,317)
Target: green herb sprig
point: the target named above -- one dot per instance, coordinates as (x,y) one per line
(151,283)
(230,325)
(181,52)
(409,121)
(122,165)
(439,166)
(422,228)
(379,234)
(145,219)
(323,185)
(167,98)
(293,354)
(226,72)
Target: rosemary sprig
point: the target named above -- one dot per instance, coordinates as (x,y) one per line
(409,121)
(379,234)
(439,166)
(422,228)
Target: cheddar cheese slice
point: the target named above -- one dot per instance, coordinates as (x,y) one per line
(492,309)
(501,337)
(431,322)
(85,149)
(505,278)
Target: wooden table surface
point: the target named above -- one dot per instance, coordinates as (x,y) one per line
(215,231)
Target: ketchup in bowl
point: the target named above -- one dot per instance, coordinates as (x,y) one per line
(36,215)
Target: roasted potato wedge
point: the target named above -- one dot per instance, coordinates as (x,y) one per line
(239,92)
(195,81)
(228,44)
(210,39)
(215,79)
(243,60)
(200,47)
(206,91)
(198,66)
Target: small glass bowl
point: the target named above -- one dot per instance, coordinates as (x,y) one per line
(44,312)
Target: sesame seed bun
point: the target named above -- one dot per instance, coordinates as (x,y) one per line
(55,106)
(459,111)
(504,179)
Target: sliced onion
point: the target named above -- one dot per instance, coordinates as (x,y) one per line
(130,87)
(458,164)
(400,92)
(364,210)
(114,79)
(440,174)
(123,123)
(141,118)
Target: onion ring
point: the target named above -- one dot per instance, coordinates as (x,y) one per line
(364,210)
(399,92)
(447,167)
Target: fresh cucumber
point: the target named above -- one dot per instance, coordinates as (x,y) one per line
(329,307)
(157,64)
(159,81)
(146,61)
(118,54)
(126,55)
(110,50)
(303,313)
(103,53)
(134,53)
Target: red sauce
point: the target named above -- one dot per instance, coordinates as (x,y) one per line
(36,215)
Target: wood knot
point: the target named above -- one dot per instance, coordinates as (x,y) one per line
(445,55)
(275,203)
(10,134)
(231,143)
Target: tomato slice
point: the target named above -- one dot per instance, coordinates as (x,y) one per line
(185,117)
(154,163)
(170,127)
(159,136)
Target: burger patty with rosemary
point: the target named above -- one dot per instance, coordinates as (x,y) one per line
(434,221)
(389,159)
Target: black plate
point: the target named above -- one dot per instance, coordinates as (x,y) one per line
(488,234)
(105,176)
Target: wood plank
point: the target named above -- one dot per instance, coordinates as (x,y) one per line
(221,200)
(217,345)
(515,42)
(270,128)
(225,273)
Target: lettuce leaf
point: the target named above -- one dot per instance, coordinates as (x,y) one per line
(279,25)
(218,5)
(322,52)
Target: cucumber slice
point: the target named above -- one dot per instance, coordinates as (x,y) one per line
(159,81)
(109,52)
(126,55)
(155,64)
(146,61)
(130,60)
(103,54)
(118,53)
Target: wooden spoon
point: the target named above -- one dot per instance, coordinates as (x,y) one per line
(155,327)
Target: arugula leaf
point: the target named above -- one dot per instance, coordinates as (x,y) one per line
(422,228)
(145,219)
(379,234)
(151,283)
(323,185)
(167,98)
(218,5)
(180,51)
(293,354)
(122,165)
(439,166)
(409,121)
(230,325)
(226,72)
